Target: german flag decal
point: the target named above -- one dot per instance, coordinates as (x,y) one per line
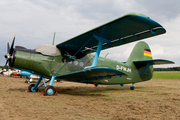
(147,53)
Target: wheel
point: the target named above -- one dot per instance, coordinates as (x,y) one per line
(49,90)
(31,88)
(95,84)
(131,88)
(58,80)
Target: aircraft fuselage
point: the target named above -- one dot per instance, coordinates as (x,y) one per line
(48,66)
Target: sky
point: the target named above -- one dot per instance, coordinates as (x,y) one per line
(35,21)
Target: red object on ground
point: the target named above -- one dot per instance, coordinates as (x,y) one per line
(15,74)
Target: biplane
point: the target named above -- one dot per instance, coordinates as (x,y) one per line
(72,60)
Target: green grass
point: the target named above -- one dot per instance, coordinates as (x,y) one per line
(166,75)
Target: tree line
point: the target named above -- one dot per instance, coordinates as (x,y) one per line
(6,67)
(167,69)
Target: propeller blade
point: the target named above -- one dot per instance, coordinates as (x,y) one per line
(5,64)
(8,47)
(12,45)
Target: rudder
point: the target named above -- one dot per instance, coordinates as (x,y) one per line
(141,51)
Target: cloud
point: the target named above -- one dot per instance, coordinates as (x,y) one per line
(160,10)
(35,21)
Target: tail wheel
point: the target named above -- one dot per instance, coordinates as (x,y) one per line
(31,88)
(49,90)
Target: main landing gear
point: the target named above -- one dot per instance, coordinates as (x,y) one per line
(48,90)
(31,88)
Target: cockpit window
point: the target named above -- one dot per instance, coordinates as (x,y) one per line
(49,50)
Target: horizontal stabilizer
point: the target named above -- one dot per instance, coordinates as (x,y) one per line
(153,62)
(144,65)
(93,73)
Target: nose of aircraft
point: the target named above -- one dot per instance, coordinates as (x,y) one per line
(9,54)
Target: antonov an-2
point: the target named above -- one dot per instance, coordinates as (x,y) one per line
(72,60)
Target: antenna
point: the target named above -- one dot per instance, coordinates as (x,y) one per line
(54,38)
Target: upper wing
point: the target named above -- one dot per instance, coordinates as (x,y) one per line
(129,28)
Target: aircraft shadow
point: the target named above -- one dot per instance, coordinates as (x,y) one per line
(90,91)
(83,91)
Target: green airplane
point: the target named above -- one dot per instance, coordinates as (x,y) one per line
(72,60)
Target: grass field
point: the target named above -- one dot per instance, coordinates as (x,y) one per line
(166,75)
(156,99)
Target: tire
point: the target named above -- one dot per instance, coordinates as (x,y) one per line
(131,88)
(30,88)
(49,90)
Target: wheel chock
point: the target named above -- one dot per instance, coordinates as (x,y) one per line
(27,90)
(56,93)
(43,94)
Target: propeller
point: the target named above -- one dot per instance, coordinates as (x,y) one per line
(9,54)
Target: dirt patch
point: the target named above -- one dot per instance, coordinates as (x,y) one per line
(151,100)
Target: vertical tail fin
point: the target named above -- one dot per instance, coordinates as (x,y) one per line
(140,52)
(141,58)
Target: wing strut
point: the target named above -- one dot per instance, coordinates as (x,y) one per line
(101,41)
(147,66)
(72,57)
